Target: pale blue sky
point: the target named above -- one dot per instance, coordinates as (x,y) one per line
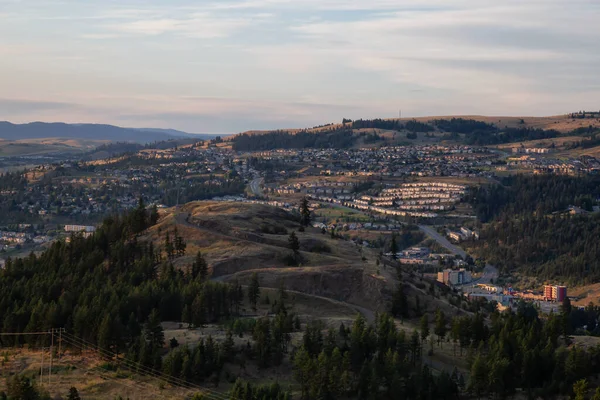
(234,65)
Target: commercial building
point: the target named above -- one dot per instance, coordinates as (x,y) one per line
(453,277)
(555,293)
(79,228)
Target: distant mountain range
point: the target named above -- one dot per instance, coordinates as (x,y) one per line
(42,130)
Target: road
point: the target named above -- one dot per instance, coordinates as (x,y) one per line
(255,186)
(489,272)
(435,235)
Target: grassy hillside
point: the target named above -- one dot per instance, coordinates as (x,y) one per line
(469,129)
(238,239)
(29,147)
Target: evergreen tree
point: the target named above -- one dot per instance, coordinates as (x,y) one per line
(580,389)
(153,331)
(228,346)
(179,245)
(104,333)
(424,327)
(305,216)
(478,380)
(20,387)
(440,326)
(254,290)
(294,244)
(394,247)
(169,247)
(400,302)
(154,216)
(415,346)
(73,394)
(200,267)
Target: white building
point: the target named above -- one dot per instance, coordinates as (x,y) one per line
(80,228)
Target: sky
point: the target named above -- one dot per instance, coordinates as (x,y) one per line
(227,66)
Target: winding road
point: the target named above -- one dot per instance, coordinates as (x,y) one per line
(255,186)
(489,271)
(435,235)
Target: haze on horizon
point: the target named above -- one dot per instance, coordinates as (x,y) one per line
(231,65)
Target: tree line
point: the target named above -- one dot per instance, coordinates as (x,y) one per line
(337,138)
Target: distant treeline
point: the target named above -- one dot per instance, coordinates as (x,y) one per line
(585,114)
(337,138)
(467,131)
(394,125)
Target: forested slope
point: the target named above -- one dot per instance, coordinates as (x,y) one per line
(529,229)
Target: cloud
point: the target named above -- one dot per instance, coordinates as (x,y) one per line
(197,25)
(20,107)
(286,62)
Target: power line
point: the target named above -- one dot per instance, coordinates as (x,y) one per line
(134,385)
(140,385)
(141,369)
(135,367)
(77,343)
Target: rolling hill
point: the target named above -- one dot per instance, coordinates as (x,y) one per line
(42,130)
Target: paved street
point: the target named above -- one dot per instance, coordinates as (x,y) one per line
(255,186)
(432,233)
(489,272)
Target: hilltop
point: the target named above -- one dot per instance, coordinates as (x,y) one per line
(238,239)
(470,130)
(562,123)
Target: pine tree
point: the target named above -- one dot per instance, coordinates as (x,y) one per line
(180,246)
(254,291)
(169,249)
(305,212)
(186,314)
(400,302)
(73,394)
(199,310)
(424,327)
(394,247)
(154,216)
(415,346)
(153,331)
(104,333)
(478,379)
(200,267)
(294,244)
(440,326)
(228,346)
(580,389)
(20,387)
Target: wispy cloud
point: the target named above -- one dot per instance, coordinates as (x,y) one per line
(287,61)
(198,25)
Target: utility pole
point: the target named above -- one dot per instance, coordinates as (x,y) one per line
(42,367)
(59,343)
(51,355)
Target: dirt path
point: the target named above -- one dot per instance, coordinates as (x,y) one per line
(368,314)
(183,218)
